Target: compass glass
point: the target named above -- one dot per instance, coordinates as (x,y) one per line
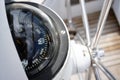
(32,39)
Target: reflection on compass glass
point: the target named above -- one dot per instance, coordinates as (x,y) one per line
(32,39)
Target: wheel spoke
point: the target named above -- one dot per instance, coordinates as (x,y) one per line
(69,15)
(105,71)
(81,39)
(101,22)
(85,22)
(80,76)
(88,74)
(96,72)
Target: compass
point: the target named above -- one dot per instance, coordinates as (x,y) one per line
(39,39)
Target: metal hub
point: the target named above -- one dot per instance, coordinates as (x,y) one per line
(81,56)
